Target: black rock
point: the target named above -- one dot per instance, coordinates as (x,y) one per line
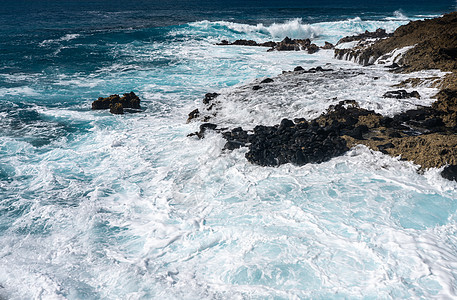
(450,172)
(267,80)
(256,87)
(401,94)
(116,104)
(298,68)
(209,97)
(193,115)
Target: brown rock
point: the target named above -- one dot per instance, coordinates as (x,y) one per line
(116,108)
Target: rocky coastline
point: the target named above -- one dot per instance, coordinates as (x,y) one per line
(425,135)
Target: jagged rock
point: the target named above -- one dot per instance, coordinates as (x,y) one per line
(294,143)
(313,48)
(193,115)
(117,104)
(433,43)
(328,46)
(298,68)
(203,128)
(401,94)
(209,97)
(287,44)
(269,44)
(378,34)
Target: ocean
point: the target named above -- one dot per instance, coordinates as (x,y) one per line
(102,206)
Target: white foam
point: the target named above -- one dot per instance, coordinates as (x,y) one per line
(294,28)
(132,208)
(17,91)
(65,38)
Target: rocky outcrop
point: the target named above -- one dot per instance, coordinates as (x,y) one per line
(287,44)
(117,104)
(269,44)
(401,94)
(420,135)
(377,34)
(433,45)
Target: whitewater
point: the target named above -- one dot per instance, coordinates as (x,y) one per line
(101,206)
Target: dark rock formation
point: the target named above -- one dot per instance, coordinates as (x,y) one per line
(267,80)
(450,172)
(401,94)
(117,104)
(209,97)
(287,44)
(289,142)
(328,46)
(378,34)
(193,115)
(269,44)
(203,128)
(116,109)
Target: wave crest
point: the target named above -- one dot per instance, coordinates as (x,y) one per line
(294,28)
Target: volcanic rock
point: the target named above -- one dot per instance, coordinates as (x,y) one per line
(117,104)
(401,94)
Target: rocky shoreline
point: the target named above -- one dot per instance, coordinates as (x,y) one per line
(425,135)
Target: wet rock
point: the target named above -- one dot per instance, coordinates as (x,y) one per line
(328,46)
(298,68)
(193,115)
(298,144)
(203,128)
(267,80)
(378,34)
(313,48)
(401,94)
(117,104)
(116,108)
(256,87)
(209,97)
(450,172)
(242,42)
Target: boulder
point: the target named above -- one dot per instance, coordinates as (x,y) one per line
(116,104)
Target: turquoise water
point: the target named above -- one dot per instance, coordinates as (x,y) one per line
(101,206)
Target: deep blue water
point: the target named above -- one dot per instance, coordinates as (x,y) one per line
(98,206)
